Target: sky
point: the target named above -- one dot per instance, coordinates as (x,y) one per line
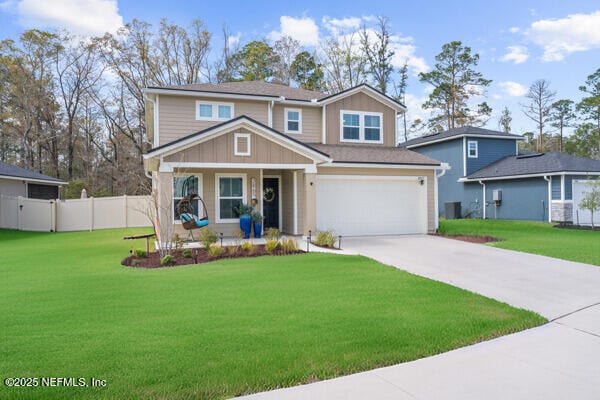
(518,41)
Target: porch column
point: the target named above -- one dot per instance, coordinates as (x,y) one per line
(310,203)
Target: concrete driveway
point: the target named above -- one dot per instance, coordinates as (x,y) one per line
(555,361)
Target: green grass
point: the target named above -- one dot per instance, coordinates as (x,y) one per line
(68,309)
(532,237)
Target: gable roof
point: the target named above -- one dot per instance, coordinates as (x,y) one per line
(365,154)
(188,140)
(251,88)
(470,131)
(536,164)
(369,90)
(10,171)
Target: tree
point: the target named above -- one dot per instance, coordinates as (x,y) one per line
(538,110)
(378,53)
(226,66)
(591,199)
(505,120)
(589,106)
(344,67)
(400,89)
(257,61)
(582,142)
(455,82)
(286,49)
(562,116)
(307,72)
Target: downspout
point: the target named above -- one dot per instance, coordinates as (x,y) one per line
(444,168)
(547,179)
(270,113)
(483,204)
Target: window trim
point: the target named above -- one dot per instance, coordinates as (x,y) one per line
(236,151)
(215,110)
(361,126)
(218,176)
(476,155)
(285,120)
(200,189)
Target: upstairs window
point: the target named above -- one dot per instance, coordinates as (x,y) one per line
(472,148)
(293,120)
(209,111)
(361,127)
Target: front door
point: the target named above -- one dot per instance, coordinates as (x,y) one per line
(271,202)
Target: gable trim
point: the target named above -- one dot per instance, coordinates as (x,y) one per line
(369,91)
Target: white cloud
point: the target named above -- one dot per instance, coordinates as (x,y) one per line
(515,54)
(233,40)
(513,89)
(514,29)
(304,30)
(79,17)
(561,37)
(338,26)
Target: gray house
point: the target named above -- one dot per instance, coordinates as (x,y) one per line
(16,181)
(491,179)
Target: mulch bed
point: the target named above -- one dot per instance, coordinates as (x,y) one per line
(578,227)
(199,256)
(471,238)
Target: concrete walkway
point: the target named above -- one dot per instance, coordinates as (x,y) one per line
(555,361)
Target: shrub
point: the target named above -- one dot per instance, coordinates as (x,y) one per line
(247,246)
(135,262)
(167,260)
(271,245)
(140,253)
(257,217)
(207,237)
(232,249)
(289,245)
(325,239)
(243,209)
(272,234)
(215,250)
(187,253)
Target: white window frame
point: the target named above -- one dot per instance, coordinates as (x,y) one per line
(476,155)
(285,122)
(215,111)
(218,218)
(235,145)
(200,190)
(361,128)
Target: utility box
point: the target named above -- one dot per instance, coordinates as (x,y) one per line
(452,210)
(497,196)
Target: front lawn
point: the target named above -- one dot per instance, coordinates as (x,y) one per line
(69,309)
(532,237)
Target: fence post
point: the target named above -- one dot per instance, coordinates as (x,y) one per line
(125,211)
(91,201)
(19,211)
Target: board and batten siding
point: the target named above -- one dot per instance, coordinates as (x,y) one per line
(221,150)
(360,102)
(430,174)
(489,151)
(177,115)
(311,123)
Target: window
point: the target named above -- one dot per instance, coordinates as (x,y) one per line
(241,144)
(359,126)
(184,185)
(293,120)
(209,111)
(230,193)
(472,148)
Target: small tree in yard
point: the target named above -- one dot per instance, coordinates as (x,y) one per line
(156,210)
(591,200)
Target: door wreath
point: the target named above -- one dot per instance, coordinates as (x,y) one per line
(268,195)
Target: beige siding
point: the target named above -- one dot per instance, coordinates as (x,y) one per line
(430,174)
(221,150)
(177,115)
(360,102)
(311,122)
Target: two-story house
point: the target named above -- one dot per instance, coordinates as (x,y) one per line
(306,160)
(490,178)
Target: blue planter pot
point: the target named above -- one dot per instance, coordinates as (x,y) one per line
(246,225)
(257,229)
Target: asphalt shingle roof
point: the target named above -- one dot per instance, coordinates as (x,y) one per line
(369,154)
(536,163)
(18,172)
(463,130)
(254,88)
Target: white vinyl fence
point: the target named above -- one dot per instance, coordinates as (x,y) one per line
(73,215)
(581,216)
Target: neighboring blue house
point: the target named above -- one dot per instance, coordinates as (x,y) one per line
(490,179)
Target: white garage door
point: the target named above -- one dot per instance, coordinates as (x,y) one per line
(353,205)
